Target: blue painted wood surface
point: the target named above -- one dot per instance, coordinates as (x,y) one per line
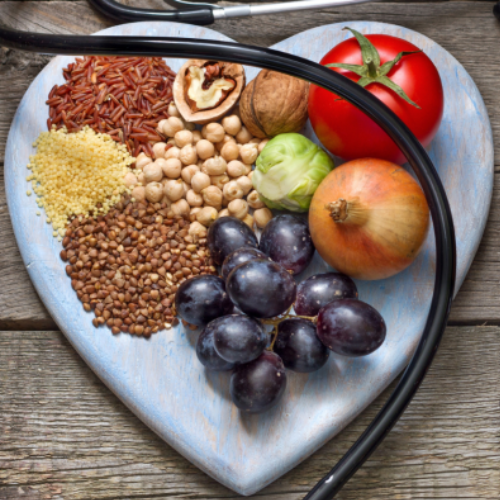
(161,380)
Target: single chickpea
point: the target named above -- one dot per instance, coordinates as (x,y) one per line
(197,230)
(140,178)
(192,214)
(189,172)
(248,169)
(196,136)
(172,168)
(207,215)
(231,124)
(249,153)
(154,192)
(174,189)
(194,199)
(238,208)
(188,155)
(205,149)
(230,151)
(200,181)
(181,207)
(139,193)
(232,191)
(248,220)
(213,132)
(214,166)
(171,126)
(262,216)
(152,172)
(221,144)
(249,175)
(245,184)
(130,180)
(236,169)
(224,213)
(142,160)
(161,124)
(243,136)
(212,196)
(159,149)
(172,110)
(254,200)
(173,152)
(262,145)
(183,138)
(219,180)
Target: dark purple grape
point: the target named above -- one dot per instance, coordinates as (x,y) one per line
(240,256)
(320,289)
(299,347)
(350,327)
(205,351)
(286,239)
(201,299)
(238,338)
(258,385)
(261,288)
(226,235)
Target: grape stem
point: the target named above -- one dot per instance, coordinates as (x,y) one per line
(278,319)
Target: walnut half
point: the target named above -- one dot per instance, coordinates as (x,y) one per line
(205,91)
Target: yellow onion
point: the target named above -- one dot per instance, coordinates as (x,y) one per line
(369,219)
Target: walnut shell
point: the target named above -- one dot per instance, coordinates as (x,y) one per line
(274,103)
(232,70)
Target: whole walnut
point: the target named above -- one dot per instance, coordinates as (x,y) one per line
(274,103)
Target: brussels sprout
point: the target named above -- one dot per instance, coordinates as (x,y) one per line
(289,170)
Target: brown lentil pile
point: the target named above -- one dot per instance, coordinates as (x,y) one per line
(127,265)
(125,97)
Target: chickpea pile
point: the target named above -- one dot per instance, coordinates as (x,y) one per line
(202,175)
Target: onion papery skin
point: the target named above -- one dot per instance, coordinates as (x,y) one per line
(386,219)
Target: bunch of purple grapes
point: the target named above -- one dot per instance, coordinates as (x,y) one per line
(257,288)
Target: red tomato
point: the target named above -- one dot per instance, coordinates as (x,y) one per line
(347,132)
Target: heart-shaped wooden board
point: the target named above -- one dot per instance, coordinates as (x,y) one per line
(161,380)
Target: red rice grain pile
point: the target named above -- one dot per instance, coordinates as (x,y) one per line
(124,97)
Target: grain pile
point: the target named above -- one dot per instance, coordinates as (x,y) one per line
(124,97)
(77,173)
(127,265)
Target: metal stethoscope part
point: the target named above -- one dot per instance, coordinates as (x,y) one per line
(203,13)
(420,162)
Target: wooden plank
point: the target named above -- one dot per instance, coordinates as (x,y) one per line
(64,435)
(466,29)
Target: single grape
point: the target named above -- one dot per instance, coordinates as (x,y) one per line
(299,347)
(261,288)
(320,289)
(226,235)
(286,239)
(205,351)
(238,338)
(351,327)
(240,256)
(201,299)
(258,385)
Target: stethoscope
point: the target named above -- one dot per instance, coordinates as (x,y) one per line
(420,162)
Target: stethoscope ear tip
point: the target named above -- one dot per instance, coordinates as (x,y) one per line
(496,10)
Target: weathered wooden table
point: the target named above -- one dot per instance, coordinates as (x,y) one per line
(63,435)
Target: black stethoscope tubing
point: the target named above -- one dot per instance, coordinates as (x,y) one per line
(375,109)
